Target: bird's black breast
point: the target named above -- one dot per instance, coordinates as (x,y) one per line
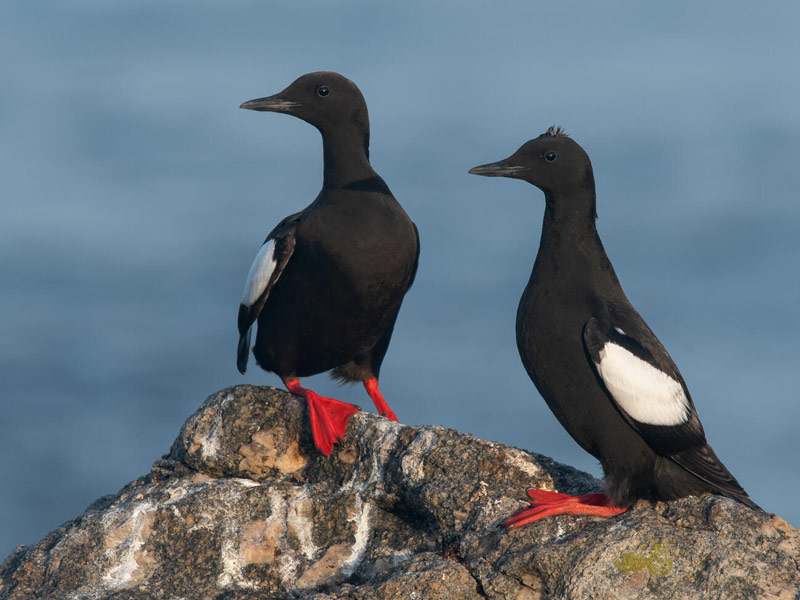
(555,306)
(354,258)
(548,326)
(367,241)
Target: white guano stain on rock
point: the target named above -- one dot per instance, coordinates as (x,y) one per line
(226,400)
(417,450)
(288,563)
(361,535)
(210,445)
(264,542)
(560,531)
(232,565)
(181,490)
(127,529)
(382,445)
(387,432)
(522,461)
(245,482)
(300,523)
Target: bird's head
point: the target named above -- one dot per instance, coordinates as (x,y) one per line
(327,100)
(553,162)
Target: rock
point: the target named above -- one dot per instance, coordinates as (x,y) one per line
(243,507)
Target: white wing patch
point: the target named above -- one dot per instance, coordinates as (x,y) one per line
(646,393)
(260,272)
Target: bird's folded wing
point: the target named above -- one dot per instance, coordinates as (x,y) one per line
(648,390)
(642,381)
(265,271)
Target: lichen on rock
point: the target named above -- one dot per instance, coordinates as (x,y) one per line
(244,507)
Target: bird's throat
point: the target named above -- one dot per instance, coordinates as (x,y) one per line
(345,160)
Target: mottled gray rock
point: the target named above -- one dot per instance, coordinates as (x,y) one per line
(243,507)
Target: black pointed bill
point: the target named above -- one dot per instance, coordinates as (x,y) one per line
(271,104)
(502,168)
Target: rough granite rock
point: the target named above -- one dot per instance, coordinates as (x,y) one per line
(243,507)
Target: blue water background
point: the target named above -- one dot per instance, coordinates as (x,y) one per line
(135,194)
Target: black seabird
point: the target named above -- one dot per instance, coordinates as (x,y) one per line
(328,282)
(594,360)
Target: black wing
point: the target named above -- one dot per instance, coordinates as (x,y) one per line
(642,380)
(649,392)
(267,268)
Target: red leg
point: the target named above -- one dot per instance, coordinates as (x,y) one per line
(546,504)
(328,416)
(371,386)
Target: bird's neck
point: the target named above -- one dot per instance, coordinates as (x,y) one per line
(570,244)
(570,216)
(345,159)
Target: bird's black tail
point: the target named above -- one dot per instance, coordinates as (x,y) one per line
(703,463)
(243,351)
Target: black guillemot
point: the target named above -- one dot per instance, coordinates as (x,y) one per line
(601,370)
(327,284)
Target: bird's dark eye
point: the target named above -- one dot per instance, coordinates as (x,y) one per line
(550,156)
(323,91)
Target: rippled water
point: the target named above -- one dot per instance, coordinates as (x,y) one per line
(135,195)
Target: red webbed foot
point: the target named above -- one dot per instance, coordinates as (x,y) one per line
(371,385)
(328,416)
(547,504)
